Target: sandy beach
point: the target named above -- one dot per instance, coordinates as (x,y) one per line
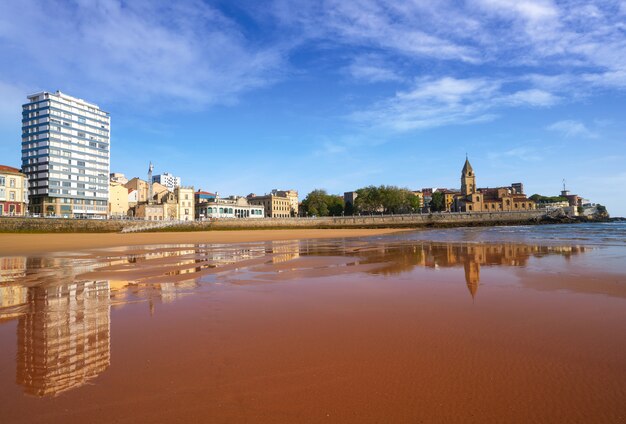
(24,244)
(477,327)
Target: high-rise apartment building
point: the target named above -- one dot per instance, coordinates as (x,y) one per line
(168,180)
(66,155)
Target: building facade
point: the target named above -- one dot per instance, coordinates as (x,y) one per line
(185,200)
(498,199)
(66,155)
(275,206)
(292,195)
(231,207)
(117,177)
(168,180)
(13,192)
(118,200)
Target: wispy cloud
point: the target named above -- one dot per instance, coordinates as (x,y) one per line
(184,53)
(571,128)
(447,101)
(373,68)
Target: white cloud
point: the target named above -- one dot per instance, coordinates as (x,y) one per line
(180,52)
(532,97)
(434,102)
(571,128)
(372,68)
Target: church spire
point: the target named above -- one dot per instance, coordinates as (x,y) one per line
(467,168)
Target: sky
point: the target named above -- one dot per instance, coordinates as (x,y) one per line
(245,96)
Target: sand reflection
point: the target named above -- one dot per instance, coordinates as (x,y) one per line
(63,303)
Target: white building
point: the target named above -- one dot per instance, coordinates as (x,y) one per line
(66,155)
(168,180)
(231,207)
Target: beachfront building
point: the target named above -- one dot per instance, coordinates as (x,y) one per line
(142,190)
(277,204)
(230,207)
(185,210)
(498,199)
(203,196)
(118,200)
(168,180)
(65,154)
(13,192)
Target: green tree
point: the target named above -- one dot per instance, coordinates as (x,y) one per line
(438,202)
(386,199)
(320,203)
(537,198)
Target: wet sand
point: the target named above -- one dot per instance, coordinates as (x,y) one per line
(350,331)
(25,244)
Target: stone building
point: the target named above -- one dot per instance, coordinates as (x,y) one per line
(13,191)
(498,199)
(185,210)
(277,204)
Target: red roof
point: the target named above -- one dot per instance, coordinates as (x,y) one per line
(4,168)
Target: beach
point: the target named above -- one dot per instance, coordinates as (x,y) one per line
(461,325)
(50,242)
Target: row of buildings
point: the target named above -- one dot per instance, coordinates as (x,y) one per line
(66,173)
(470,198)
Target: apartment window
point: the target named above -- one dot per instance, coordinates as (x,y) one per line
(11,195)
(2,181)
(12,182)
(81,134)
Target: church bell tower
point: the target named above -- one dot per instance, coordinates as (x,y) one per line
(468,179)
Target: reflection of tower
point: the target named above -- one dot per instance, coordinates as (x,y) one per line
(64,337)
(472,275)
(150,169)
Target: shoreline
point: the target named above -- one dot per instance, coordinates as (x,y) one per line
(12,244)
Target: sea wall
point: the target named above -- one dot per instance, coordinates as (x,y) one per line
(49,225)
(373,221)
(59,225)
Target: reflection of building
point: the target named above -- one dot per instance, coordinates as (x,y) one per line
(472,275)
(64,337)
(12,268)
(285,251)
(396,259)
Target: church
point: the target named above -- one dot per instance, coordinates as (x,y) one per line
(498,199)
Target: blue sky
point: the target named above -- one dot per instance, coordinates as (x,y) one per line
(246,96)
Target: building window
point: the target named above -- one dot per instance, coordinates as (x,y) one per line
(2,181)
(12,182)
(11,195)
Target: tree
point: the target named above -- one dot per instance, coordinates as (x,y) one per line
(320,203)
(386,199)
(438,202)
(537,198)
